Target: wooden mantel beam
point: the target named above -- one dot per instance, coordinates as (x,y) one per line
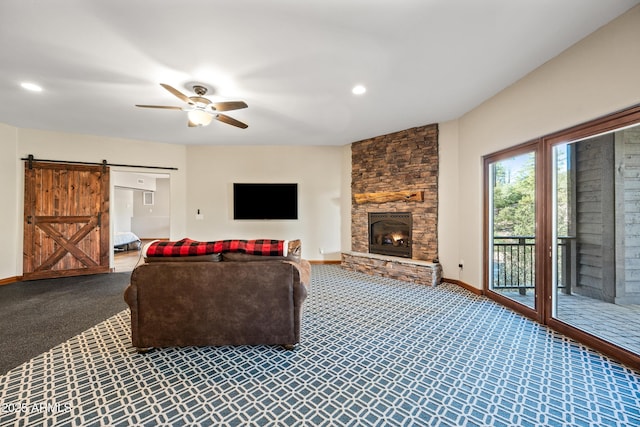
(389,196)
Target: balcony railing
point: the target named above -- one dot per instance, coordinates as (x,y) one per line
(514,263)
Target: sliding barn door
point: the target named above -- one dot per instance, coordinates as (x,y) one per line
(66,220)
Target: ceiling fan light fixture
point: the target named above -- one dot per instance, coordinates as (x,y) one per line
(200,110)
(200,117)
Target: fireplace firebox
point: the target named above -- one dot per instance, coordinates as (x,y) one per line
(390,233)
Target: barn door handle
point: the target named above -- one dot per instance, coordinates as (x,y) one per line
(99,219)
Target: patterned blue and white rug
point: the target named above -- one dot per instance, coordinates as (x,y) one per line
(374,352)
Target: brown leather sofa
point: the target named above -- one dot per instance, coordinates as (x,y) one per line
(240,300)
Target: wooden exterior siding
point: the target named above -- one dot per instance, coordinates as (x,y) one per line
(628,216)
(608,217)
(595,215)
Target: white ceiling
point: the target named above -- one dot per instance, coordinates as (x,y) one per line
(294,62)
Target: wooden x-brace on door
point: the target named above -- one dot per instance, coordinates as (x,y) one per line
(66,226)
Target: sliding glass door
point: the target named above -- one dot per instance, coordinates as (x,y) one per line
(596,236)
(562,232)
(511,218)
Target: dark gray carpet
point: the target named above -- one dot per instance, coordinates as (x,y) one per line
(38,315)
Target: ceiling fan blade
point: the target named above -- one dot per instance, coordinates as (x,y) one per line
(228,105)
(177,93)
(166,107)
(191,124)
(230,121)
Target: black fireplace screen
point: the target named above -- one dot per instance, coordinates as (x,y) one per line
(390,233)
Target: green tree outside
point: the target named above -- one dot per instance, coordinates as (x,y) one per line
(514,199)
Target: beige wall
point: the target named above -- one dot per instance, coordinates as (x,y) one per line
(596,76)
(448,201)
(153,222)
(11,199)
(212,170)
(345,202)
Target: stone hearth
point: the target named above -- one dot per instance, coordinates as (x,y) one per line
(410,270)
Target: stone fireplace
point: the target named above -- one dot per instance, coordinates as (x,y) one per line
(390,233)
(401,164)
(395,174)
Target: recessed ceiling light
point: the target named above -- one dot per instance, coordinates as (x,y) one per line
(31,86)
(358,90)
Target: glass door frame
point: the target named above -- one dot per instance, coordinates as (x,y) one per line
(528,147)
(543,148)
(602,125)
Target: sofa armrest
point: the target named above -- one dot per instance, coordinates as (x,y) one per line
(131,298)
(305,272)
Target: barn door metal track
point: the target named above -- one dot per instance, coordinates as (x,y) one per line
(30,158)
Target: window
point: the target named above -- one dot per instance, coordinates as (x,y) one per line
(147,198)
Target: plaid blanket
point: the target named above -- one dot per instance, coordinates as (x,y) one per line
(188,247)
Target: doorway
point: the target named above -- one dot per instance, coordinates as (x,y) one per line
(140,213)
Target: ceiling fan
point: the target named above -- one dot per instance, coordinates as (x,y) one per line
(202,111)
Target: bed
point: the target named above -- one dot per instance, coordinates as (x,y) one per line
(125,241)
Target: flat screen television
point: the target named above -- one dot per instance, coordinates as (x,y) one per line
(265,201)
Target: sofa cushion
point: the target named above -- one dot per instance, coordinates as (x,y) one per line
(294,250)
(240,257)
(206,258)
